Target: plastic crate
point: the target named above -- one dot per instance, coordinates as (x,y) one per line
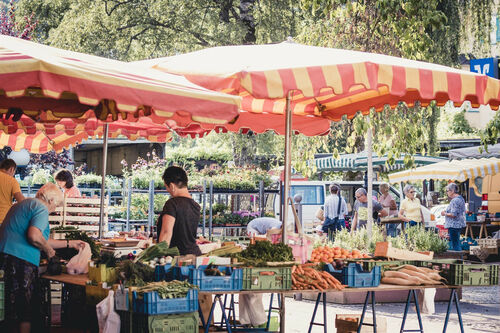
(151,303)
(471,217)
(368,264)
(163,272)
(2,301)
(170,323)
(180,273)
(233,279)
(354,276)
(101,273)
(464,273)
(267,278)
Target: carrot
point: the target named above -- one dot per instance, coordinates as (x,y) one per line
(293,269)
(396,274)
(414,268)
(414,273)
(398,281)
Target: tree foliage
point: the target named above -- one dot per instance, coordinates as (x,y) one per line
(22,28)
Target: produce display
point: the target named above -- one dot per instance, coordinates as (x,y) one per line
(327,254)
(261,252)
(172,289)
(225,251)
(409,275)
(156,251)
(306,277)
(135,273)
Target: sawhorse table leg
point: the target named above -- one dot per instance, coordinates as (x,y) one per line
(453,297)
(413,293)
(361,323)
(206,324)
(314,313)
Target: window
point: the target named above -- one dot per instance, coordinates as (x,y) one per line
(311,194)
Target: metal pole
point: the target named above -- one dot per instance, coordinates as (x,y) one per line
(151,210)
(103,183)
(211,193)
(287,172)
(369,151)
(204,204)
(129,198)
(261,198)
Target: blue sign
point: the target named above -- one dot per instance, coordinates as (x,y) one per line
(486,66)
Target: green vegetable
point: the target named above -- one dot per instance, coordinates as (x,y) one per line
(135,273)
(107,259)
(263,251)
(417,238)
(74,234)
(158,250)
(172,289)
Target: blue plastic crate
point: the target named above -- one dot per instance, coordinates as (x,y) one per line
(163,272)
(180,273)
(354,276)
(471,217)
(232,280)
(152,303)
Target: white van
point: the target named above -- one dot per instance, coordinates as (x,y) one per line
(314,194)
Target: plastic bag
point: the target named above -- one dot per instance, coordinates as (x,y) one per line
(107,318)
(79,264)
(426,300)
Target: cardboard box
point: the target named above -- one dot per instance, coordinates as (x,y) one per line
(348,323)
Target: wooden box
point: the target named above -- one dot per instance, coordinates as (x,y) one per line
(348,323)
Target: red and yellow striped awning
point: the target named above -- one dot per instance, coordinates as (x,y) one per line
(36,79)
(39,138)
(324,82)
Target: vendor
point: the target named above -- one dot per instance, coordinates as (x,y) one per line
(454,216)
(410,210)
(10,188)
(64,179)
(178,222)
(261,225)
(23,234)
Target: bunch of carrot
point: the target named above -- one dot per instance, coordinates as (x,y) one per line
(306,277)
(409,275)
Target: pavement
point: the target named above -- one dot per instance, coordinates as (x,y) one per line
(480,307)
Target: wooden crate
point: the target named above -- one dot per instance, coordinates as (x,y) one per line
(385,249)
(348,323)
(82,213)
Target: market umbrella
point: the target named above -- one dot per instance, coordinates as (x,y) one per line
(474,152)
(39,138)
(359,162)
(48,84)
(324,82)
(457,170)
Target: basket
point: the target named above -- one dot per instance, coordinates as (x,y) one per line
(355,277)
(267,278)
(231,281)
(151,303)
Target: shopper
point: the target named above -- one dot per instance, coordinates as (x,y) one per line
(23,235)
(335,210)
(410,211)
(64,179)
(454,216)
(389,204)
(10,188)
(361,209)
(178,222)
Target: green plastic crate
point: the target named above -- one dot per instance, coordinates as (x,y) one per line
(170,323)
(267,278)
(2,301)
(464,273)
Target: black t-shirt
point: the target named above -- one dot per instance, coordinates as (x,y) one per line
(186,212)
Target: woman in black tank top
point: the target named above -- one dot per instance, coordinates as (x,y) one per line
(178,222)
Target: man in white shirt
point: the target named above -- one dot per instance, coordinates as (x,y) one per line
(335,210)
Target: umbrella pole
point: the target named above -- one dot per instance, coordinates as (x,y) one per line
(286,191)
(103,183)
(369,152)
(288,168)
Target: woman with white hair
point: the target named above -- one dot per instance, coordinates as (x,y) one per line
(454,216)
(389,204)
(409,210)
(23,234)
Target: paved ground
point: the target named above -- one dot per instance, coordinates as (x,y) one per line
(480,312)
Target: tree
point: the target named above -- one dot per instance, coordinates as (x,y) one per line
(9,26)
